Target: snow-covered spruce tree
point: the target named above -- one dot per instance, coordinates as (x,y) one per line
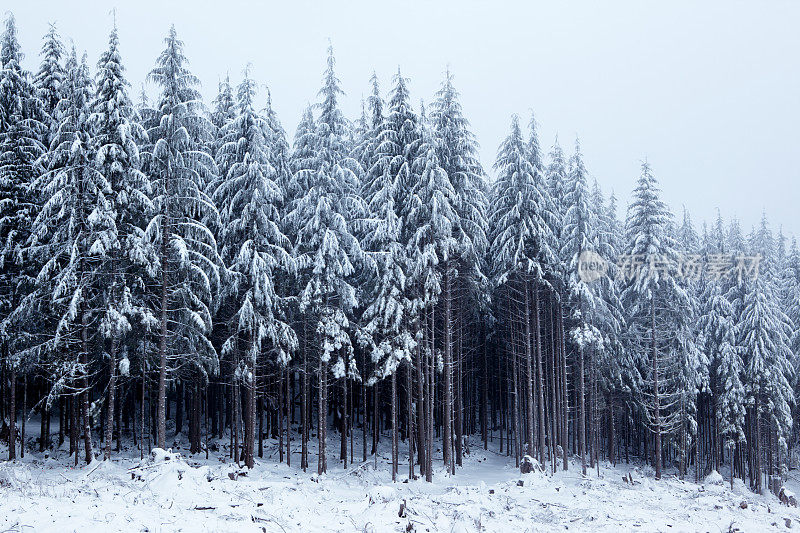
(578,237)
(254,248)
(433,223)
(792,295)
(656,306)
(278,151)
(188,263)
(692,373)
(763,338)
(327,253)
(72,237)
(556,175)
(388,319)
(368,128)
(115,137)
(301,157)
(520,248)
(608,372)
(717,331)
(764,344)
(21,133)
(463,277)
(224,110)
(49,79)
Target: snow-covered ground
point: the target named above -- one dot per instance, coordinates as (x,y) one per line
(172,492)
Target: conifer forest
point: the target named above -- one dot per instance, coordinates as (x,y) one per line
(178,269)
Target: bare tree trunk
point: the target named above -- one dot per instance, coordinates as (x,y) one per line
(537,330)
(237,419)
(24,410)
(447,439)
(395,457)
(485,395)
(344,411)
(759,466)
(459,395)
(429,401)
(421,412)
(12,425)
(322,464)
(144,411)
(304,386)
(112,385)
(657,416)
(564,391)
(409,422)
(87,422)
(529,372)
(288,419)
(161,428)
(581,410)
(363,388)
(250,419)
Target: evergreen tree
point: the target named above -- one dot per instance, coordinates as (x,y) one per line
(188,264)
(21,133)
(326,250)
(72,237)
(254,248)
(49,80)
(655,301)
(764,344)
(116,135)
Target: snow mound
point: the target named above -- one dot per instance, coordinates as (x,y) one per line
(14,476)
(382,494)
(714,478)
(165,471)
(529,464)
(160,455)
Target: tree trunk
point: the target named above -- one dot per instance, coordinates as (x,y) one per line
(657,451)
(421,413)
(322,464)
(344,410)
(395,457)
(305,410)
(564,389)
(12,425)
(447,441)
(288,420)
(87,422)
(537,330)
(528,372)
(250,419)
(409,422)
(112,385)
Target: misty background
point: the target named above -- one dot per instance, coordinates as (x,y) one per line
(708,93)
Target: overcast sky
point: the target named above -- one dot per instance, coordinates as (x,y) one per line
(708,92)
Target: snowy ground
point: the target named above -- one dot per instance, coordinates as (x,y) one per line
(174,493)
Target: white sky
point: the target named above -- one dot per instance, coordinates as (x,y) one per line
(708,92)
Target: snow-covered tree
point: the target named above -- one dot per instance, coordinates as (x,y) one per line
(253,246)
(718,333)
(72,237)
(763,339)
(327,252)
(657,306)
(49,79)
(21,133)
(116,134)
(579,237)
(188,264)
